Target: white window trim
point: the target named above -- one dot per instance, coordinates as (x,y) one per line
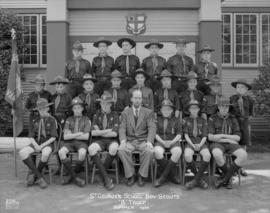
(40,37)
(231,41)
(234,41)
(261,38)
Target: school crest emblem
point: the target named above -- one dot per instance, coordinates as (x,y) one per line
(136,24)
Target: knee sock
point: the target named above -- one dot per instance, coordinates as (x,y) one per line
(108,161)
(30,164)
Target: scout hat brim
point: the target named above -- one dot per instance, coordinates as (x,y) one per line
(129,40)
(37,82)
(111,100)
(193,104)
(42,107)
(240,82)
(107,42)
(206,49)
(160,46)
(89,79)
(59,82)
(170,105)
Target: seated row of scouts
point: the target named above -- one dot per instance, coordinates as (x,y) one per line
(149,108)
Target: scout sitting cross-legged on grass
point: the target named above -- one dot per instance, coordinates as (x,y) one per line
(44,132)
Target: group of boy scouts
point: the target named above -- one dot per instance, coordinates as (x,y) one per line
(153,107)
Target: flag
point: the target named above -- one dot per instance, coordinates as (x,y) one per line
(14,93)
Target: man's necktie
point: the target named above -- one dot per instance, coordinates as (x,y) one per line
(77,65)
(88,100)
(41,130)
(76,125)
(195,128)
(192,95)
(127,64)
(136,116)
(226,129)
(57,101)
(104,121)
(241,105)
(102,64)
(206,70)
(155,64)
(166,94)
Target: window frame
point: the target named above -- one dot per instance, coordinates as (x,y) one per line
(261,37)
(41,41)
(257,42)
(231,41)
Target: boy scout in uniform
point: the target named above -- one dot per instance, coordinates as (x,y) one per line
(210,101)
(105,131)
(191,93)
(120,95)
(166,92)
(76,135)
(225,134)
(195,132)
(89,97)
(75,70)
(44,133)
(205,69)
(148,98)
(168,136)
(102,65)
(61,100)
(242,109)
(180,65)
(127,63)
(40,92)
(153,64)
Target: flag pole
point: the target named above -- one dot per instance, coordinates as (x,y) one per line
(14,54)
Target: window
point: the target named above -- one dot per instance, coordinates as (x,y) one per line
(34,38)
(246,39)
(265,39)
(226,39)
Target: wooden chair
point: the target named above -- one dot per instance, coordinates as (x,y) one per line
(136,163)
(197,158)
(51,163)
(73,156)
(167,156)
(228,161)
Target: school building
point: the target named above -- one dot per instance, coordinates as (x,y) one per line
(239,31)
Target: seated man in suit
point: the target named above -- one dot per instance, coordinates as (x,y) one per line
(137,132)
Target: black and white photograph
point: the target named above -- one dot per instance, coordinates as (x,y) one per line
(134,106)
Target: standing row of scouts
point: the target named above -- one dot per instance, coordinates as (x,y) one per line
(147,107)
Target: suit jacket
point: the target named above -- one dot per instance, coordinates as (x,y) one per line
(145,130)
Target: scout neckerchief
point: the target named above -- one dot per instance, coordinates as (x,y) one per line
(195,127)
(76,125)
(241,105)
(77,63)
(88,98)
(115,94)
(226,128)
(104,120)
(182,59)
(103,64)
(57,100)
(38,94)
(155,63)
(216,95)
(165,125)
(206,68)
(41,129)
(191,94)
(127,61)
